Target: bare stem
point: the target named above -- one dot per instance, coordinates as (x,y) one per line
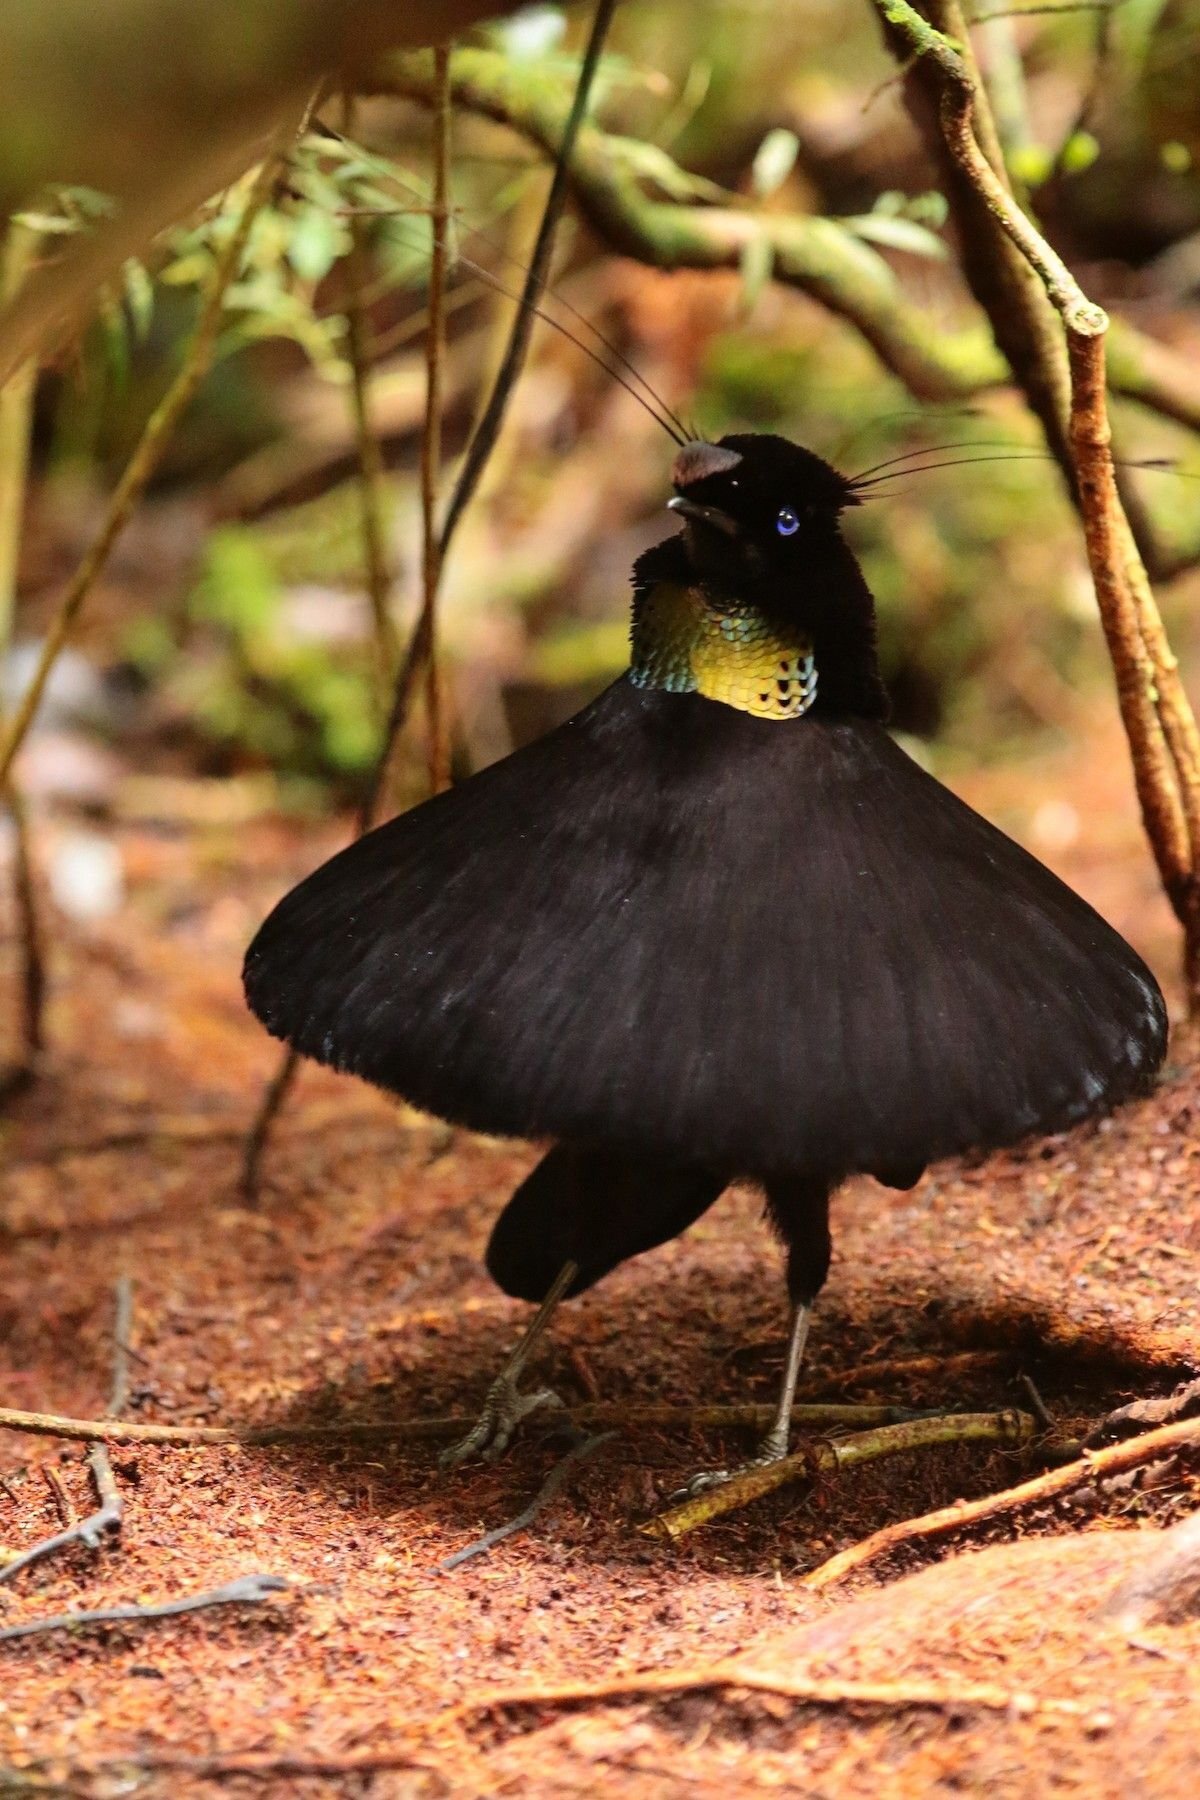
(16,414)
(259,1135)
(370,461)
(431,443)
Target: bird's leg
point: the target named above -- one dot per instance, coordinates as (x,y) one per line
(774,1445)
(778,1439)
(505,1405)
(800,1211)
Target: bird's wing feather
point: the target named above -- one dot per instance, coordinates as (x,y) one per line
(675,930)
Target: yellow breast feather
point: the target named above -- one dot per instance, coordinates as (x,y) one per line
(685,644)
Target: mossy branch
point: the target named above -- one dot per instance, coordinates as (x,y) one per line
(813,254)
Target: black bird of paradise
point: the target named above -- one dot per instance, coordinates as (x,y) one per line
(718,925)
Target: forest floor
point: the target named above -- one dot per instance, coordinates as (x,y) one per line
(355,1290)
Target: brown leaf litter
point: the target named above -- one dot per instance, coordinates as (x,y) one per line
(577,1655)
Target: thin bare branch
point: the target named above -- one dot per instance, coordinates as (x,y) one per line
(818,256)
(370,461)
(1159,723)
(259,1135)
(513,361)
(16,415)
(545,1494)
(431,442)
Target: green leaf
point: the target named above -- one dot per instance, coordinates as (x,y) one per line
(114,337)
(1079,152)
(897,234)
(317,240)
(774,161)
(47,223)
(238,588)
(1031,163)
(653,165)
(932,209)
(139,297)
(756,263)
(187,271)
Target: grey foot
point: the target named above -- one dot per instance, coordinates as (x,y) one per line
(503,1410)
(772,1449)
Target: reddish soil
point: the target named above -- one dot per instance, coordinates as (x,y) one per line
(355,1290)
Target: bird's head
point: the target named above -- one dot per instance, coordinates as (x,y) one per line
(759,602)
(757,510)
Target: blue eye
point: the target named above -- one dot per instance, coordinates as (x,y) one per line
(786,522)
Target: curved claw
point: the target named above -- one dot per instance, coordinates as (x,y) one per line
(773,1448)
(699,1484)
(503,1410)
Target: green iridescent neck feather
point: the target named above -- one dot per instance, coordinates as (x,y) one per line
(685,644)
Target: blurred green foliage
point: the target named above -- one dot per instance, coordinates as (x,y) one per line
(985,621)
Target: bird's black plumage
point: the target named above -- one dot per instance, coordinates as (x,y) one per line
(684,933)
(594,1208)
(717,924)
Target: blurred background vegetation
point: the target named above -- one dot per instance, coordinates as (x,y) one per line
(231,638)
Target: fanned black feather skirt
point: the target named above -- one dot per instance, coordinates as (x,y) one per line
(674,930)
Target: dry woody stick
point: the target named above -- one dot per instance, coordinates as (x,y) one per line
(833,1455)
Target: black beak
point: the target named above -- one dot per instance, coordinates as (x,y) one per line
(693,511)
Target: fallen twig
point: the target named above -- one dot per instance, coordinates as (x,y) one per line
(835,1454)
(431,1430)
(90,1531)
(948,1521)
(62,1500)
(528,1514)
(245,1591)
(108,1516)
